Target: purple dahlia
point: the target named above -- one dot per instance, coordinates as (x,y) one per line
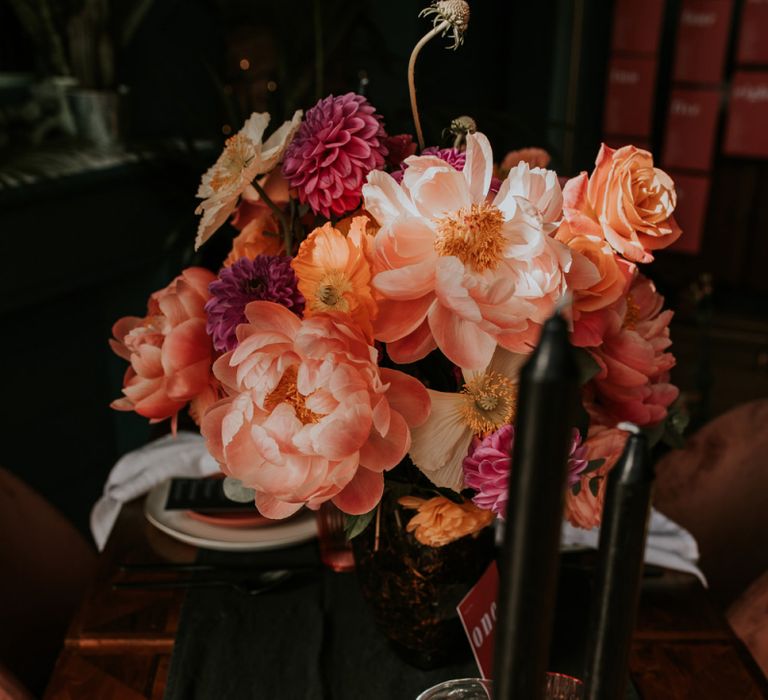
(265,278)
(339,142)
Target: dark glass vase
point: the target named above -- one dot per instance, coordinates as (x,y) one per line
(414,589)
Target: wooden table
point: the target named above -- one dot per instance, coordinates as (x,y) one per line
(119,644)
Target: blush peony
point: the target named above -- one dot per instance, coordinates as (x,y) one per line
(309,415)
(633,382)
(169,350)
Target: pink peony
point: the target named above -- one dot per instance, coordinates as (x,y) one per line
(487,467)
(633,382)
(340,141)
(169,350)
(458,269)
(309,416)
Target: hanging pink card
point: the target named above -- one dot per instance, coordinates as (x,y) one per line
(691,129)
(637,26)
(753,34)
(630,96)
(746,132)
(702,40)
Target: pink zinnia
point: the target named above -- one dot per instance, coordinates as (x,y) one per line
(340,141)
(487,467)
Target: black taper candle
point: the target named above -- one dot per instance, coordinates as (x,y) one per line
(546,410)
(619,571)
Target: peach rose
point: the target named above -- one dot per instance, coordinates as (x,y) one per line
(633,382)
(439,521)
(585,508)
(169,350)
(310,417)
(632,200)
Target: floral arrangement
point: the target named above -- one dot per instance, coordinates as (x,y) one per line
(370,322)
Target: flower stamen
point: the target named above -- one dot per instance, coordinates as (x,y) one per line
(473,235)
(286,391)
(330,294)
(490,401)
(633,314)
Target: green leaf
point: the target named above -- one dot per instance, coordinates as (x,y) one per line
(594,485)
(355,524)
(593,465)
(588,366)
(576,488)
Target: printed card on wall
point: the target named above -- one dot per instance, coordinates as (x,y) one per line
(637,26)
(691,128)
(702,40)
(753,34)
(691,211)
(630,95)
(746,133)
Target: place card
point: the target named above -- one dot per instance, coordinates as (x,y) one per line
(753,34)
(637,26)
(746,133)
(691,129)
(691,211)
(702,40)
(477,611)
(630,96)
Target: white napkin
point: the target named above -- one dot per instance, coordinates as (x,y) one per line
(139,471)
(668,544)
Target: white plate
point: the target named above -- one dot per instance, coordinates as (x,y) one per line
(178,525)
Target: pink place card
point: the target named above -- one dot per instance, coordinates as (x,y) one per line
(691,129)
(691,211)
(753,34)
(477,611)
(746,133)
(637,26)
(702,40)
(630,96)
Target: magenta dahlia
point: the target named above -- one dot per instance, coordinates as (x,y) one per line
(339,142)
(265,278)
(487,467)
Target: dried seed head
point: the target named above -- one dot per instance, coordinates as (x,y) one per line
(455,13)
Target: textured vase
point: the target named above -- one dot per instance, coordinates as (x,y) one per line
(414,589)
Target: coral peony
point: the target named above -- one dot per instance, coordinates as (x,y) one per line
(439,521)
(339,143)
(457,271)
(487,467)
(334,273)
(244,158)
(309,416)
(169,351)
(265,278)
(585,507)
(632,200)
(633,382)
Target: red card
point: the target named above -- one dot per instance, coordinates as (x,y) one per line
(630,95)
(746,133)
(702,40)
(691,128)
(691,211)
(637,26)
(477,611)
(753,33)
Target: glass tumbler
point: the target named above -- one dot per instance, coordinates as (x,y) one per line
(559,687)
(335,550)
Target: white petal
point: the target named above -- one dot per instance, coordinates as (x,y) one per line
(478,167)
(384,199)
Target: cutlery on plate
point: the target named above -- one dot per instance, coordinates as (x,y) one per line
(251,585)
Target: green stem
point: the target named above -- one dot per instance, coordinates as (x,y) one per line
(278,212)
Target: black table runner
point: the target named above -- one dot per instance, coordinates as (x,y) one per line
(312,639)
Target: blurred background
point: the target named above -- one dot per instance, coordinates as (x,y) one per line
(110,112)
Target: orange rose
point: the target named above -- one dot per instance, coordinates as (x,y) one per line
(439,521)
(633,202)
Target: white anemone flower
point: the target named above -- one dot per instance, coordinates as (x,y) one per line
(244,158)
(487,402)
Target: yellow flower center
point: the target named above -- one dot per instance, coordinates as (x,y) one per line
(633,314)
(286,391)
(473,235)
(330,293)
(490,400)
(237,155)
